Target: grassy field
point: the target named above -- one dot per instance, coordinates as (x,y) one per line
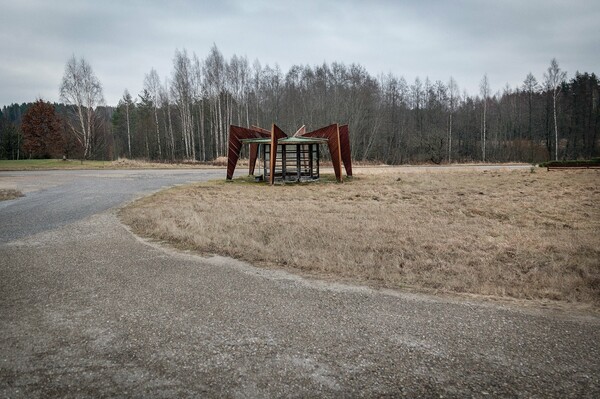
(51,164)
(519,234)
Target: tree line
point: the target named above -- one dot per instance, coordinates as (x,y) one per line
(185,116)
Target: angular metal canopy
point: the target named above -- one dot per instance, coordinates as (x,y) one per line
(337,139)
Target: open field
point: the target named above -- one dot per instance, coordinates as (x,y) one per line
(502,233)
(50,164)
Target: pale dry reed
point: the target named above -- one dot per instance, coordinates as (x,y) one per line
(496,233)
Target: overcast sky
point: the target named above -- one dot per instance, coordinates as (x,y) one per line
(123,40)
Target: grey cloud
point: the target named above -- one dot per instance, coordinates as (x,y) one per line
(465,39)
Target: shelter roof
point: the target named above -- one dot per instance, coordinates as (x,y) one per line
(287,140)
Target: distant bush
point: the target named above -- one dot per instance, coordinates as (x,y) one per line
(572,163)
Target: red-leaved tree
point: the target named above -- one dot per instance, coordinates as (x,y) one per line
(41,129)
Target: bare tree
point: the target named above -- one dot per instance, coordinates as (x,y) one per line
(165,103)
(198,96)
(554,78)
(453,97)
(530,86)
(215,77)
(235,79)
(127,102)
(257,86)
(181,89)
(484,89)
(152,85)
(417,96)
(81,88)
(244,69)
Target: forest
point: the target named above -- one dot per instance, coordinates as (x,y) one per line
(185,116)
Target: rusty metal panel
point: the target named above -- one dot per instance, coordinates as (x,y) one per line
(332,134)
(345,149)
(260,129)
(253,156)
(236,134)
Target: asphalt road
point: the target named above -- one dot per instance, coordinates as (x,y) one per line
(89,310)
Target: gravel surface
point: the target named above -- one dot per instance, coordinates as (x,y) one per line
(89,310)
(57,198)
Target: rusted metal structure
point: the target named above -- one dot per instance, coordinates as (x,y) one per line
(290,158)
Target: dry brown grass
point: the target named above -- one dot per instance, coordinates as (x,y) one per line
(124,163)
(8,194)
(499,233)
(222,162)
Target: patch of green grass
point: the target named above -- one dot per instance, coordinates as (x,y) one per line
(54,164)
(38,164)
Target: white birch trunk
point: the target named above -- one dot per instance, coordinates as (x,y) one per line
(555,94)
(171,132)
(157,132)
(192,139)
(484,127)
(128,129)
(450,139)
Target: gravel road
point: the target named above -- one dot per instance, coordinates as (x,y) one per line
(89,310)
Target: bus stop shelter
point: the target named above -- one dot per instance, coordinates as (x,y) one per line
(295,158)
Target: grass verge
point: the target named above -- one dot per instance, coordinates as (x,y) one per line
(8,194)
(496,233)
(55,164)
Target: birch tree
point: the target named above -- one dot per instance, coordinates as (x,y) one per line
(530,86)
(417,100)
(81,88)
(237,76)
(199,95)
(214,76)
(127,102)
(152,86)
(165,104)
(244,68)
(554,78)
(256,87)
(181,89)
(484,89)
(453,96)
